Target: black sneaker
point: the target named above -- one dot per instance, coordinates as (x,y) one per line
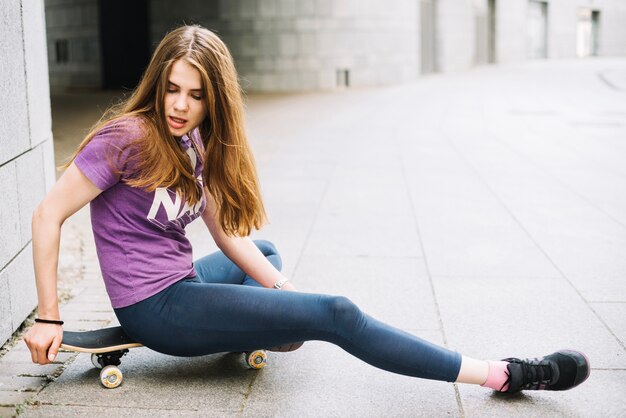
(562,370)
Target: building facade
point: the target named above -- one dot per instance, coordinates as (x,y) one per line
(291,45)
(26,153)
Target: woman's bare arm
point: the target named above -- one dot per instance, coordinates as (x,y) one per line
(241,250)
(70,193)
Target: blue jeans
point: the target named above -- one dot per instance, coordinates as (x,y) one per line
(223,310)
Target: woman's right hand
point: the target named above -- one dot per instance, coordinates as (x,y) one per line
(43,341)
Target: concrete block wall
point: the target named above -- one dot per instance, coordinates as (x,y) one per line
(456,30)
(163,17)
(288,45)
(612,27)
(77,22)
(456,34)
(562,26)
(562,20)
(291,45)
(26,154)
(511,40)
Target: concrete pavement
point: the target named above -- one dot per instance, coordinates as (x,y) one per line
(484,210)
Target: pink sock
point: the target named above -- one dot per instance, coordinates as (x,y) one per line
(498,374)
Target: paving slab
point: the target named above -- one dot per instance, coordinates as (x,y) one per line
(20,354)
(602,395)
(361,190)
(298,170)
(45,411)
(7,411)
(215,383)
(465,229)
(580,239)
(345,235)
(25,369)
(604,189)
(281,192)
(103,306)
(556,141)
(97,296)
(90,288)
(369,280)
(614,315)
(87,316)
(328,382)
(498,318)
(473,236)
(20,383)
(11,398)
(608,156)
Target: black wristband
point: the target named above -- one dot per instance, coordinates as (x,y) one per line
(49,321)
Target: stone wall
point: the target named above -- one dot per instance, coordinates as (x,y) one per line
(456,34)
(612,26)
(73,43)
(562,26)
(456,30)
(290,45)
(26,152)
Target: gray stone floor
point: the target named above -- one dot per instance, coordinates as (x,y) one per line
(484,210)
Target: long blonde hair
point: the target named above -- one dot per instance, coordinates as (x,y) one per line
(229,169)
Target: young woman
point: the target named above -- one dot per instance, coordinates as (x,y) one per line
(174,151)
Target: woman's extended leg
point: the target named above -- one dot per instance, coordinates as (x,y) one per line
(201,318)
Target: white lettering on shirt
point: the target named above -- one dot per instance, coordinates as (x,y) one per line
(163,197)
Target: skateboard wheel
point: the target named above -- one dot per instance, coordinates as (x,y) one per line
(95,360)
(111,377)
(256,359)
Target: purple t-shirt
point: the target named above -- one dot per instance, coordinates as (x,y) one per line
(140,236)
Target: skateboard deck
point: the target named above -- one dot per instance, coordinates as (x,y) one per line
(98,341)
(108,345)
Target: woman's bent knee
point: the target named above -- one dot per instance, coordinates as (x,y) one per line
(346,315)
(268,249)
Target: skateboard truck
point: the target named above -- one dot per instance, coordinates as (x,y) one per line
(110,375)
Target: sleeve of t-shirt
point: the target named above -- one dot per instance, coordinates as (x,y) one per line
(104,158)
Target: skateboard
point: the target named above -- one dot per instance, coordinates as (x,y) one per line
(108,345)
